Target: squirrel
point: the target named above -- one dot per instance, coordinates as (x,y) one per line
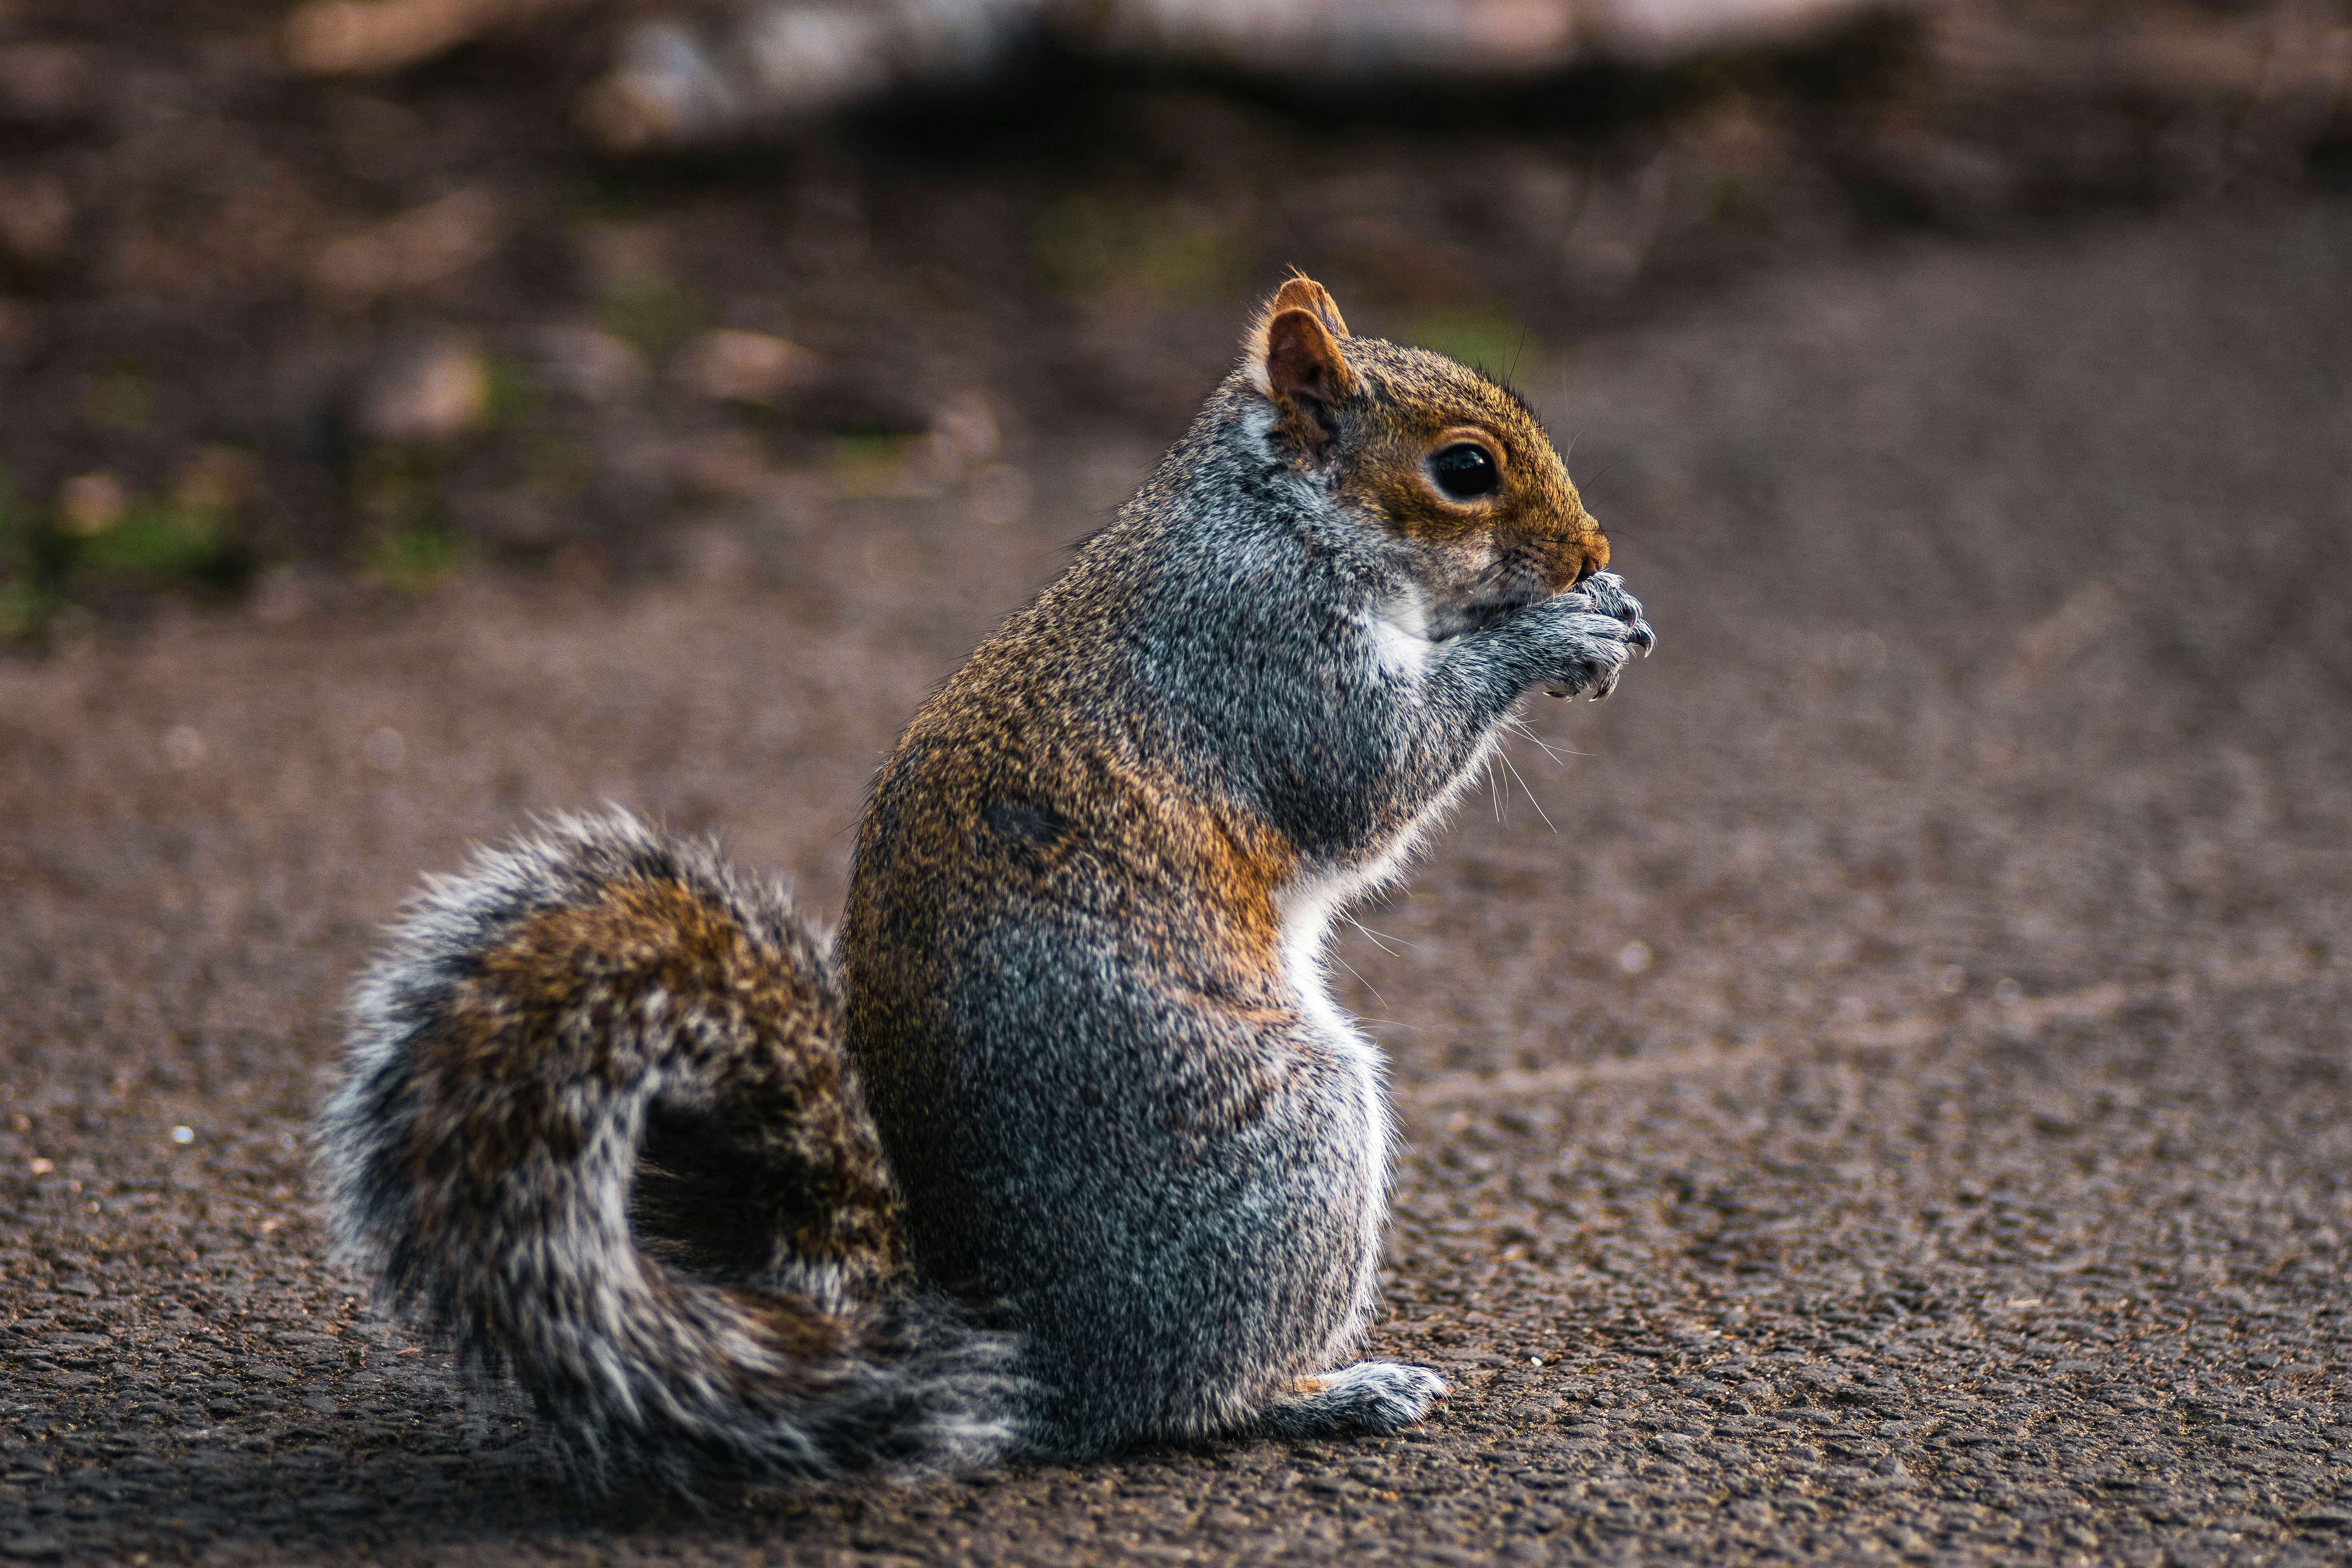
(1064,1145)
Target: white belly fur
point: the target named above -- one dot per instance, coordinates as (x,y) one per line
(1308,906)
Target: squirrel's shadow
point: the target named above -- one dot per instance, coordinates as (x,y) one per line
(415,1462)
(430,1459)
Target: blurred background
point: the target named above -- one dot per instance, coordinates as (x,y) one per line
(303,302)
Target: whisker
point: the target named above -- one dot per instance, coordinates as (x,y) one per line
(1362,980)
(1523,787)
(1595,478)
(1519,727)
(1378,939)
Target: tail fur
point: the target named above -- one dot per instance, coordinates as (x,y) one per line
(598,1126)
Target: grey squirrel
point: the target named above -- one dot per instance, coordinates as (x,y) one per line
(1064,1145)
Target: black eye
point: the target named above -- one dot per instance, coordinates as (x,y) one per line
(1466,471)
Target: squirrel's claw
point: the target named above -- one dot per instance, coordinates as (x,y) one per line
(1595,643)
(1603,594)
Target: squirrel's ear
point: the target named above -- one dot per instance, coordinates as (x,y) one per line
(1300,293)
(1296,362)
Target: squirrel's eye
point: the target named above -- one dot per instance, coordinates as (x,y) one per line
(1466,471)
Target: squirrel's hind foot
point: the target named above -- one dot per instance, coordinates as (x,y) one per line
(1371,1398)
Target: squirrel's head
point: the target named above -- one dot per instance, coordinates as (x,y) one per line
(1449,465)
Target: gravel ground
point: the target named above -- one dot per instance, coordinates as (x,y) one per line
(1889,1098)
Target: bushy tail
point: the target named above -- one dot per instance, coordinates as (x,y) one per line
(597,1124)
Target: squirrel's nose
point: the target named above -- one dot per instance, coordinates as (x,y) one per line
(1590,553)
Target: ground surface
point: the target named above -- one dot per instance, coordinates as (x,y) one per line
(1899,1105)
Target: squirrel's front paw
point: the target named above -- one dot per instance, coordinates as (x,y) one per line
(1595,628)
(1603,594)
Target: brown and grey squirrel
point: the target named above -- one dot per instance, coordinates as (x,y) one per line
(1063,1145)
